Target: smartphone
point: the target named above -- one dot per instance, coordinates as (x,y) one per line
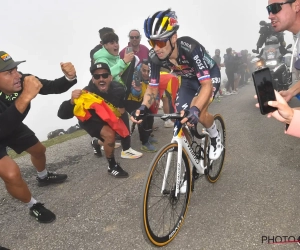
(264,89)
(129,50)
(137,78)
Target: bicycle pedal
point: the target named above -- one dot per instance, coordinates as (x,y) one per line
(196,176)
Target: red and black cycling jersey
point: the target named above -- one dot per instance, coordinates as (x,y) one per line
(193,63)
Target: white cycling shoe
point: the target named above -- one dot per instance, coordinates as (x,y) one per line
(216,147)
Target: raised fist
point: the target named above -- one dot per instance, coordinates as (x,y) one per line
(68,69)
(31,87)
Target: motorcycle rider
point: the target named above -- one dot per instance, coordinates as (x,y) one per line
(266,31)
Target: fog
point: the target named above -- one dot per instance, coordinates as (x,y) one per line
(45,33)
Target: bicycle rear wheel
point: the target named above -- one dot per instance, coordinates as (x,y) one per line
(162,212)
(215,167)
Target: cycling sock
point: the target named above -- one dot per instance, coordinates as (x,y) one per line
(213,132)
(43,174)
(31,202)
(112,162)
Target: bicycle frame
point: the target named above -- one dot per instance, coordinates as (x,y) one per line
(182,142)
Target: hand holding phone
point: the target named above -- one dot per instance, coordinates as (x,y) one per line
(128,50)
(137,78)
(264,89)
(128,55)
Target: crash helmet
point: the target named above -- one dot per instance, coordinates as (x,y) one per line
(161,25)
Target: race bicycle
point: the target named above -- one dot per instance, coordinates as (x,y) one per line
(171,176)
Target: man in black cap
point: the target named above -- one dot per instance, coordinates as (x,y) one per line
(113,94)
(16,92)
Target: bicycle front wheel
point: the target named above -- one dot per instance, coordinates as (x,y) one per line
(163,212)
(215,167)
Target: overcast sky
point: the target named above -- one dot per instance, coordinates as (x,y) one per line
(46,33)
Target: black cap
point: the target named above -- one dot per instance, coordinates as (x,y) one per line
(99,65)
(6,62)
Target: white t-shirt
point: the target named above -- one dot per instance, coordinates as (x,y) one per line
(296,49)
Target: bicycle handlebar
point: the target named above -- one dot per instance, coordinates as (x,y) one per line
(174,116)
(165,117)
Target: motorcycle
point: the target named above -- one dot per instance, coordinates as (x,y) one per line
(271,57)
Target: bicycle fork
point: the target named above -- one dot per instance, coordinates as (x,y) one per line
(178,167)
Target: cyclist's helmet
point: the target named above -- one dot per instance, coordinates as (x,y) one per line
(161,26)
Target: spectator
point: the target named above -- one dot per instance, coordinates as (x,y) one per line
(290,20)
(237,71)
(139,85)
(243,68)
(99,119)
(217,58)
(230,68)
(140,50)
(109,54)
(102,32)
(17,91)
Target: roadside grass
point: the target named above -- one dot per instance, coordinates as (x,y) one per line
(51,142)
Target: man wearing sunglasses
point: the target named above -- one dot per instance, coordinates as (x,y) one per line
(140,50)
(286,16)
(113,94)
(185,57)
(17,90)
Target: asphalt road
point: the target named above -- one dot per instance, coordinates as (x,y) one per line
(256,196)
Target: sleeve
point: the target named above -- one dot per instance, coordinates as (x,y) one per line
(294,127)
(10,119)
(122,97)
(202,63)
(65,110)
(154,74)
(116,69)
(56,86)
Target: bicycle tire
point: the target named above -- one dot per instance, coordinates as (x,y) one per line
(164,236)
(216,164)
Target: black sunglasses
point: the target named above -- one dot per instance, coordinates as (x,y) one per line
(274,8)
(104,76)
(134,37)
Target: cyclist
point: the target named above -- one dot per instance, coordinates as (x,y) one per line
(185,57)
